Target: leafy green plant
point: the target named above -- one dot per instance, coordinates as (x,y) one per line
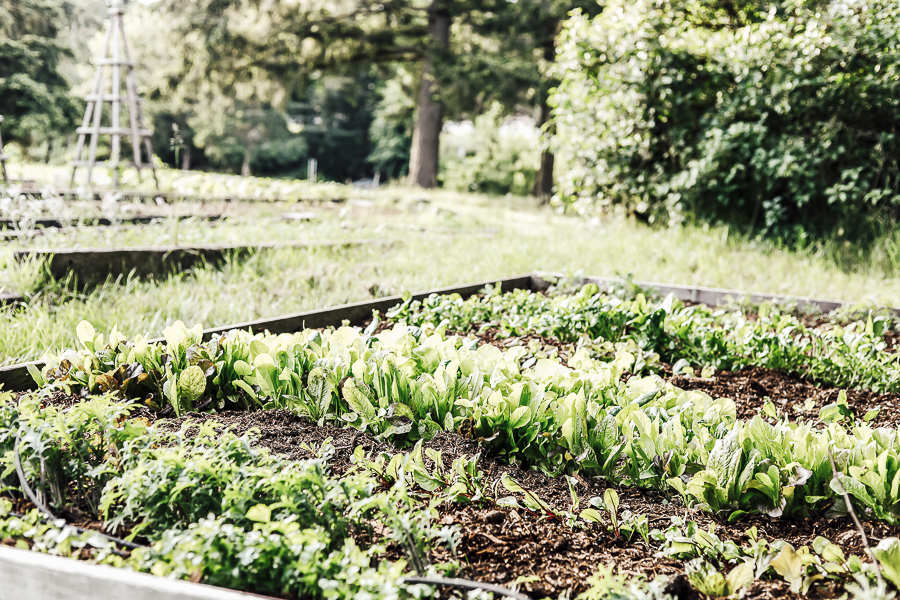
(169,481)
(63,452)
(657,115)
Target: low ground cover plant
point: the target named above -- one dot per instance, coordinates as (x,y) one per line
(210,507)
(409,382)
(213,507)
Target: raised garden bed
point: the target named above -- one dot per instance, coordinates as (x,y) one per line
(7,224)
(532,498)
(94,265)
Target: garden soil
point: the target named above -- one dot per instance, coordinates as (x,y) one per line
(542,552)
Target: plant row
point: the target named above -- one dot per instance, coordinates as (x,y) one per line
(408,383)
(854,355)
(212,507)
(215,508)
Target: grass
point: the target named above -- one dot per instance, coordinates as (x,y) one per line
(491,237)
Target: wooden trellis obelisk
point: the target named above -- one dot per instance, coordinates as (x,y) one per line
(3,157)
(113,46)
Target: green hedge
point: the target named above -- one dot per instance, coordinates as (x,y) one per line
(779,118)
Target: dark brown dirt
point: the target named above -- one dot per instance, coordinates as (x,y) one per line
(491,335)
(500,544)
(284,433)
(892,340)
(61,400)
(751,386)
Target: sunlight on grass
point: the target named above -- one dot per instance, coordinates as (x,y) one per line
(439,239)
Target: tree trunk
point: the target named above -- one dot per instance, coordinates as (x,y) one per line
(543,181)
(250,140)
(186,159)
(245,168)
(423,158)
(49,152)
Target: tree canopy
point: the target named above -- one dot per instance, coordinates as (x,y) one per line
(34,93)
(778,117)
(264,52)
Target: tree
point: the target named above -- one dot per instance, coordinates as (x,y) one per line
(423,157)
(775,118)
(471,52)
(34,94)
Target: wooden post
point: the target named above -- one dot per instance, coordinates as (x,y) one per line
(3,157)
(115,19)
(93,114)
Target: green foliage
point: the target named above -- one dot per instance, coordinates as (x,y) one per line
(333,116)
(888,555)
(34,98)
(286,527)
(185,479)
(392,125)
(267,53)
(801,568)
(32,532)
(492,160)
(462,482)
(411,381)
(63,450)
(775,117)
(216,508)
(271,557)
(641,332)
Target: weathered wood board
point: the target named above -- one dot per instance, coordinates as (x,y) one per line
(27,575)
(705,295)
(358,312)
(104,221)
(90,266)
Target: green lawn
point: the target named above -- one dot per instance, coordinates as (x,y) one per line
(449,238)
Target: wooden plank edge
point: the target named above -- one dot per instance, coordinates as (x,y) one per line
(7,225)
(151,195)
(114,252)
(37,576)
(10,298)
(16,378)
(704,295)
(358,312)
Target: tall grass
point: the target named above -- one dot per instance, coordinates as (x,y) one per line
(447,238)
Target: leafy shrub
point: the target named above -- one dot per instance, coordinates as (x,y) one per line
(186,479)
(493,161)
(779,117)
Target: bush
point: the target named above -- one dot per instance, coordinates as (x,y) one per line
(492,160)
(778,118)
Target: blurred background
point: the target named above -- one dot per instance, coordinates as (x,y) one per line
(777,117)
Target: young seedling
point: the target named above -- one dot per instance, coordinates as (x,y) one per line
(609,502)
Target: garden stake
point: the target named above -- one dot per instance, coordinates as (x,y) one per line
(49,516)
(862,532)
